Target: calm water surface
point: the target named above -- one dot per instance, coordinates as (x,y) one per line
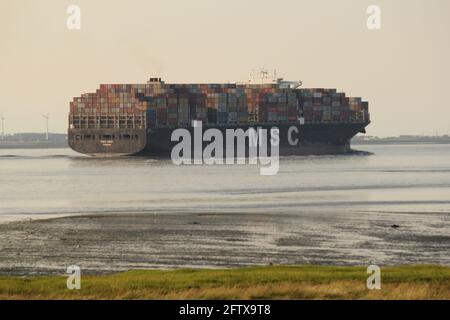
(406,178)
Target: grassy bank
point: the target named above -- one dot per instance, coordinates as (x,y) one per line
(299,282)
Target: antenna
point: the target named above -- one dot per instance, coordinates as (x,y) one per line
(252,76)
(263,74)
(46,117)
(3,127)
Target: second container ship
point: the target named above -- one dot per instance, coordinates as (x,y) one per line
(139,119)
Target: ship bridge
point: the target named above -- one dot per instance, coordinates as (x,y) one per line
(263,77)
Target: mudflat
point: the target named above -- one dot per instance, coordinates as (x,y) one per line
(109,243)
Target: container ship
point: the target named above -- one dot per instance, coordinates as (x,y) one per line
(138,119)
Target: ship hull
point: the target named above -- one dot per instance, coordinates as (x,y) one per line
(307,139)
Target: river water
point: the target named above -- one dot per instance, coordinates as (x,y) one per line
(406,178)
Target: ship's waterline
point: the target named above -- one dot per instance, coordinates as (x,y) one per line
(313,139)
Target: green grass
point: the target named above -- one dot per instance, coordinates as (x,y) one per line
(277,282)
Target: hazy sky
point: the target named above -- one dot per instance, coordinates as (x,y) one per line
(402,69)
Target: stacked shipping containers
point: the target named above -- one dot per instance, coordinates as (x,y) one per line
(220,104)
(325,105)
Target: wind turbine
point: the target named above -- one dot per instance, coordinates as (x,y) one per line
(3,127)
(46,117)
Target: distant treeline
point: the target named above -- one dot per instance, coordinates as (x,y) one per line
(401,139)
(33,137)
